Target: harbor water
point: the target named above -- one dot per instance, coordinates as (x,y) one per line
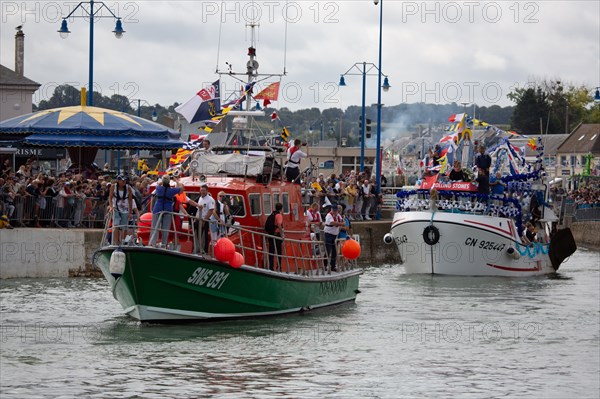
(406,336)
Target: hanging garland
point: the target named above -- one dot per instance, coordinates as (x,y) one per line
(511,207)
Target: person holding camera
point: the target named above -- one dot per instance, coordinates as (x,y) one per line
(294,155)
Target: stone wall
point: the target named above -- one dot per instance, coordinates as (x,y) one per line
(587,233)
(373,249)
(42,253)
(46,252)
(63,253)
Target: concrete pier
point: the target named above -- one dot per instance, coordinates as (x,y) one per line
(29,252)
(43,253)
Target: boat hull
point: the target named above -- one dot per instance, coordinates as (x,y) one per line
(162,285)
(465,245)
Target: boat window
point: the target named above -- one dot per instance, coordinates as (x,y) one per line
(267,204)
(254,204)
(276,198)
(286,203)
(235,204)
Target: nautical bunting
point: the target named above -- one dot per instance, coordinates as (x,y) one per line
(203,106)
(270,93)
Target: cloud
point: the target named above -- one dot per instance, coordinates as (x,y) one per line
(170,49)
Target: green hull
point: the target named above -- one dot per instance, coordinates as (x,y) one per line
(165,285)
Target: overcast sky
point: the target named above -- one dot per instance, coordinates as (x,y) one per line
(434,52)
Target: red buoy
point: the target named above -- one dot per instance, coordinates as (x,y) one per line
(237,260)
(351,249)
(224,249)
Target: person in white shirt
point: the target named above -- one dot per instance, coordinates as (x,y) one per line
(333,222)
(207,209)
(217,220)
(294,154)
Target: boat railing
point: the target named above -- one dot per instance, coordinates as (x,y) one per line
(303,256)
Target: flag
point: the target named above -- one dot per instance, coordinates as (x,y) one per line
(192,145)
(531,144)
(205,105)
(285,134)
(270,93)
(210,124)
(274,116)
(155,171)
(516,134)
(456,117)
(180,156)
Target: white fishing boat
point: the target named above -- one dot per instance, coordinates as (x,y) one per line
(448,228)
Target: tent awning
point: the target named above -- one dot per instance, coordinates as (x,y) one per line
(104,142)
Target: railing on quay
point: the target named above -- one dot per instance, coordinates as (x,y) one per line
(47,211)
(358,206)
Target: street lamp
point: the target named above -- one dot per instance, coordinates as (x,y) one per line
(91,14)
(378,145)
(363,69)
(141,102)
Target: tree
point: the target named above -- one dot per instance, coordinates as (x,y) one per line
(532,105)
(560,106)
(63,96)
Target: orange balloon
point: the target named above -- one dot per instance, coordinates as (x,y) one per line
(351,249)
(224,249)
(237,260)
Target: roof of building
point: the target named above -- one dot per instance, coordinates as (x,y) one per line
(551,143)
(10,77)
(583,140)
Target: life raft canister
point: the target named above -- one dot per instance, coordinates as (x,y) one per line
(431,235)
(117,263)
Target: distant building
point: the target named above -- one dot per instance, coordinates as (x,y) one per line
(16,91)
(571,154)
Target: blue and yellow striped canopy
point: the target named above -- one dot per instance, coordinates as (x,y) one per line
(84,126)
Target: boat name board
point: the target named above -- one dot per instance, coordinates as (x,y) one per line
(209,278)
(490,245)
(333,287)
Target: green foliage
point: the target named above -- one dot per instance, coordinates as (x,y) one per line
(307,123)
(561,107)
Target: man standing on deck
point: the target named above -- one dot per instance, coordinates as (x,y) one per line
(274,228)
(333,222)
(294,155)
(207,209)
(483,160)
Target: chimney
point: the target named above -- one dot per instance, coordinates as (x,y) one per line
(19,52)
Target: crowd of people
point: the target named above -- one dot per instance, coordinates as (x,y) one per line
(588,196)
(355,192)
(34,198)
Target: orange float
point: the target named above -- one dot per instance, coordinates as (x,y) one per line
(237,260)
(224,249)
(351,249)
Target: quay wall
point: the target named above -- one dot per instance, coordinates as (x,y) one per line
(587,233)
(28,252)
(43,253)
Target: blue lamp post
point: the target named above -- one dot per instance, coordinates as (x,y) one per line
(386,86)
(92,13)
(597,95)
(378,145)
